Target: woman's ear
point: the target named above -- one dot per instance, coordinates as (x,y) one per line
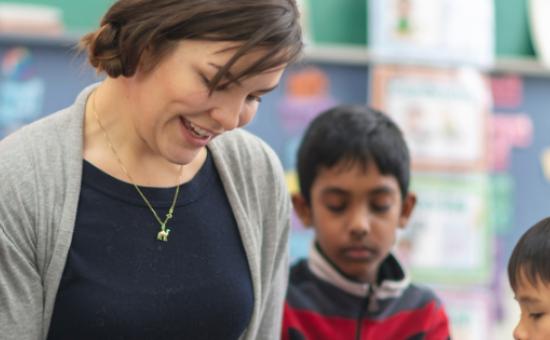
(302,209)
(406,209)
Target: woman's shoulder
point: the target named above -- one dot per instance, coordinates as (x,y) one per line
(44,137)
(55,135)
(240,147)
(248,162)
(243,140)
(39,157)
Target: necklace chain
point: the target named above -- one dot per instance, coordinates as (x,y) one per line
(164,231)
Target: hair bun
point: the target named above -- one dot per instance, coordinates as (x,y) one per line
(103,49)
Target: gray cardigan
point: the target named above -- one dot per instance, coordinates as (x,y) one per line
(40,175)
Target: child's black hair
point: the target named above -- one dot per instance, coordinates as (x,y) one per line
(530,257)
(356,135)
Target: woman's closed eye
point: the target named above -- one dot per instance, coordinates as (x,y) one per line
(252,98)
(207,82)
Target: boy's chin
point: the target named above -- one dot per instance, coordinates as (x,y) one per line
(360,272)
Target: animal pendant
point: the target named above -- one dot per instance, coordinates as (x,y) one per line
(163,235)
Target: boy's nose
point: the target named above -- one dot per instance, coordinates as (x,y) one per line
(520,332)
(360,224)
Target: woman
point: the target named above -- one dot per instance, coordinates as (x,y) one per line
(142,211)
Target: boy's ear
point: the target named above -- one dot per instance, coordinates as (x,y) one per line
(302,209)
(406,209)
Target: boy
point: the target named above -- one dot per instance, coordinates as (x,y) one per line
(353,169)
(529,275)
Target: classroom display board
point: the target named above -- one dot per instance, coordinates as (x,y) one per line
(78,15)
(488,206)
(432,31)
(507,23)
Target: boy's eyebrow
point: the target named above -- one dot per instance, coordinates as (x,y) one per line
(382,190)
(527,299)
(334,190)
(376,191)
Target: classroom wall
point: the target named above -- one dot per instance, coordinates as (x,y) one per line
(49,73)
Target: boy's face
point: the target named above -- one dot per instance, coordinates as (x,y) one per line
(534,302)
(355,213)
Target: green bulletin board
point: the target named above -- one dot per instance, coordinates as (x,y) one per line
(332,21)
(345,21)
(338,21)
(513,36)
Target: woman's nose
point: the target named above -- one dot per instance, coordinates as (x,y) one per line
(231,112)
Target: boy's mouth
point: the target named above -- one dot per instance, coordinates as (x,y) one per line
(359,253)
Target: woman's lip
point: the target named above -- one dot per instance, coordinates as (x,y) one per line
(191,137)
(210,132)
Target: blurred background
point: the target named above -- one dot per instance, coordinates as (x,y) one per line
(468,81)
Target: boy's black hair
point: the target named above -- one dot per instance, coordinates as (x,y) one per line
(356,135)
(530,257)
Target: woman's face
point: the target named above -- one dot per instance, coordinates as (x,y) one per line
(172,110)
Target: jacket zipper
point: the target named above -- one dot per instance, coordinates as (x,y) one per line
(370,304)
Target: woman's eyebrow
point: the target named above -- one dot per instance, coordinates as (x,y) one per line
(227,75)
(232,78)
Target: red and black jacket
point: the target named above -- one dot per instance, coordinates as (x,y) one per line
(322,304)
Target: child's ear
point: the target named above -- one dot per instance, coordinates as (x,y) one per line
(406,209)
(302,209)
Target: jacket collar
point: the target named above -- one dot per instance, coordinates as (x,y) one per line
(392,280)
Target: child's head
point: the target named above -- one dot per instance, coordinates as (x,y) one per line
(529,275)
(353,169)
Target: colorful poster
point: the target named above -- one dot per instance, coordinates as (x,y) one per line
(501,203)
(307,93)
(469,311)
(432,31)
(507,91)
(21,90)
(443,114)
(448,237)
(508,131)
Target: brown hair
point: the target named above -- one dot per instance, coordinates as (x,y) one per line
(137,34)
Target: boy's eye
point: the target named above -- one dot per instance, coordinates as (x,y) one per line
(535,316)
(380,208)
(381,203)
(336,208)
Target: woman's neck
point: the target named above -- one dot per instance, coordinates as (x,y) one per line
(112,143)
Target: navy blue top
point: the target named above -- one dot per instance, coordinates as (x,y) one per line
(120,282)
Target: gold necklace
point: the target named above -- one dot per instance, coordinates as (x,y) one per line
(164,231)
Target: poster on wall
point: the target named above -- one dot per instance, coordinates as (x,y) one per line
(307,93)
(448,239)
(469,311)
(443,114)
(21,90)
(433,31)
